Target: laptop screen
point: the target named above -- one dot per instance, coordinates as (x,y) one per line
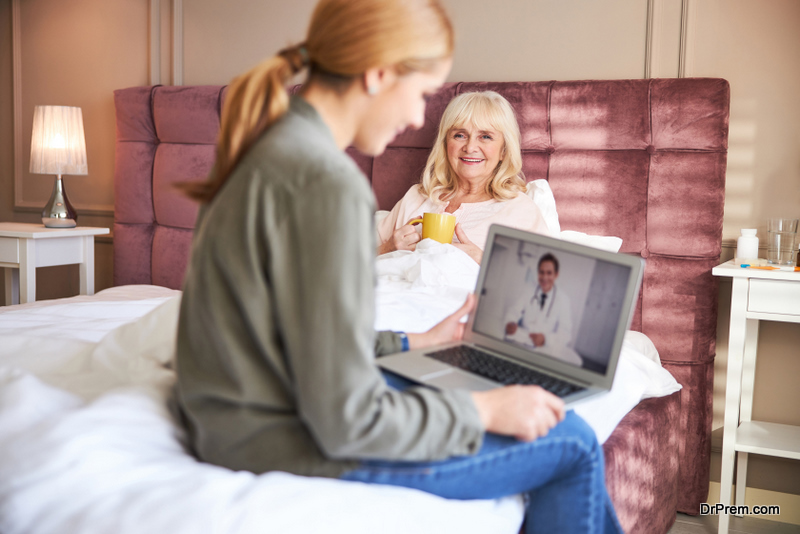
(552,302)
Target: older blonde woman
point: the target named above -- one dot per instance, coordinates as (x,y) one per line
(474,172)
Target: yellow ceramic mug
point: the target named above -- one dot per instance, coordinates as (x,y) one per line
(437,226)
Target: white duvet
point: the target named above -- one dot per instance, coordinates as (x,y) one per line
(88,445)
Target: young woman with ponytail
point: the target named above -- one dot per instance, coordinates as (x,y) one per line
(276,346)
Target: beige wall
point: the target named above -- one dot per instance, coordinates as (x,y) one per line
(756,46)
(496,41)
(78,52)
(6,116)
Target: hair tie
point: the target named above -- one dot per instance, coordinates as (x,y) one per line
(297,56)
(303,55)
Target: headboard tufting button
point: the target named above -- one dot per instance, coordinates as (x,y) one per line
(645,253)
(550,149)
(651,149)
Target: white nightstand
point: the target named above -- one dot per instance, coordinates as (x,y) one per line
(24,247)
(758,295)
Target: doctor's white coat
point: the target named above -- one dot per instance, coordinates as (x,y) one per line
(554,320)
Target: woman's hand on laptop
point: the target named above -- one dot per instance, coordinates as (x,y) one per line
(525,412)
(450,329)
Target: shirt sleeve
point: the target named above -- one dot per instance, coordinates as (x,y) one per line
(407,207)
(326,301)
(387,226)
(387,342)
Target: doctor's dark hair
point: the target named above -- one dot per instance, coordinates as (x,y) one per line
(548,257)
(345,38)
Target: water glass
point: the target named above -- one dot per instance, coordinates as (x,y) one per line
(781,236)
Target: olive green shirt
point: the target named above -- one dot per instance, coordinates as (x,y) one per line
(276,343)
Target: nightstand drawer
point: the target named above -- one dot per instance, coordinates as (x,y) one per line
(9,250)
(774,296)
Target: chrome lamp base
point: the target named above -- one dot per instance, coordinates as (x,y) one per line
(59,213)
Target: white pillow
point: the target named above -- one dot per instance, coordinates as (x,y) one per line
(603,242)
(642,344)
(542,196)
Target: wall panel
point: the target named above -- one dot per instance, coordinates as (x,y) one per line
(76,53)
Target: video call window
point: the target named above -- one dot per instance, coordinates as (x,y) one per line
(556,303)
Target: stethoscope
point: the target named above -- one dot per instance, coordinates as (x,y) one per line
(537,297)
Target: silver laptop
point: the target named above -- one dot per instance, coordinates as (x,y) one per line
(549,312)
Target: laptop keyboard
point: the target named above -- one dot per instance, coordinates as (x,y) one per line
(501,370)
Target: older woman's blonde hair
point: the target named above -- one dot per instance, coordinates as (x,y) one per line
(486,110)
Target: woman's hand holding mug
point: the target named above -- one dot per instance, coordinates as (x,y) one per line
(404,238)
(437,226)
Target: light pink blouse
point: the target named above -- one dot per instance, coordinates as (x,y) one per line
(475,218)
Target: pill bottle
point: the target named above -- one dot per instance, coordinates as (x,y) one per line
(747,246)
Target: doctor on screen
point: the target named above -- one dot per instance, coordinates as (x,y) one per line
(545,314)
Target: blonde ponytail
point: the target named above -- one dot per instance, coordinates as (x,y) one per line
(255,100)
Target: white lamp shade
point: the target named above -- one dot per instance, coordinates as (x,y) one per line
(57,142)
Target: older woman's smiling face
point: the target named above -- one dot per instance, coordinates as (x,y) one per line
(474,154)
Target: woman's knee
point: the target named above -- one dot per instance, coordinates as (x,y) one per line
(575,427)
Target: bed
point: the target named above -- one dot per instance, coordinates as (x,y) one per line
(641,160)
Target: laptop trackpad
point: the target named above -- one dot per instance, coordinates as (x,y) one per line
(415,366)
(433,373)
(459,379)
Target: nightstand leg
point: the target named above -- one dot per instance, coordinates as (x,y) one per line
(736,347)
(12,286)
(741,478)
(27,271)
(87,266)
(746,405)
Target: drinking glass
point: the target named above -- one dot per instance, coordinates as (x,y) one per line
(781,235)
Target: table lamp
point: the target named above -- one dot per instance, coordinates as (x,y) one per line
(58,147)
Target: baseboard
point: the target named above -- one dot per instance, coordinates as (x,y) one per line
(789,503)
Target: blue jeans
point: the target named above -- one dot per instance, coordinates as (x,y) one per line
(561,473)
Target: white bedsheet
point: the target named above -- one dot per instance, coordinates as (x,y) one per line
(87,444)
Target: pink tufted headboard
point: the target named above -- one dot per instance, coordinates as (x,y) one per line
(640,159)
